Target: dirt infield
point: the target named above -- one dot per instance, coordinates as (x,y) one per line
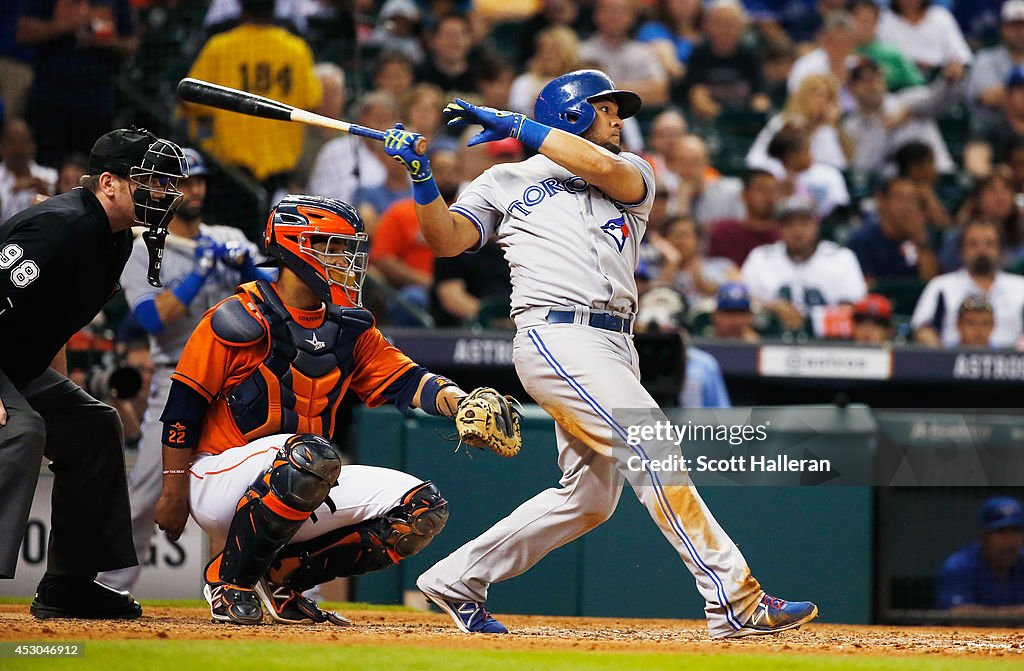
(531,633)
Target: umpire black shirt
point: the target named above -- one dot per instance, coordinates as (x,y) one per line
(59,264)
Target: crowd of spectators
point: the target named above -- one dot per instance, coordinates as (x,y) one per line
(844,169)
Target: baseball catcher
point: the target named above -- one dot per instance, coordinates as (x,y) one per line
(252,407)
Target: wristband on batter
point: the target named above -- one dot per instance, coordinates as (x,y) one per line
(531,133)
(430,393)
(424,189)
(148,316)
(189,287)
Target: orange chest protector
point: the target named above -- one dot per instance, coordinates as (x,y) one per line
(299,384)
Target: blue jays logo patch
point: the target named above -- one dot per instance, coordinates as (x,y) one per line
(618,230)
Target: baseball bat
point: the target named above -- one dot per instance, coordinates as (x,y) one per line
(225,98)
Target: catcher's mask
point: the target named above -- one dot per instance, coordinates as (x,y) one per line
(156,196)
(322,240)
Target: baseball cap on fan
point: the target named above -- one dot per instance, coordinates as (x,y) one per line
(733,297)
(196,163)
(1013,10)
(119,150)
(798,204)
(1001,512)
(507,148)
(875,307)
(399,8)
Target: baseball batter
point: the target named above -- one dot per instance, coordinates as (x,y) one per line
(251,408)
(570,221)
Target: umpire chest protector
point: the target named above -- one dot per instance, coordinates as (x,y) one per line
(298,385)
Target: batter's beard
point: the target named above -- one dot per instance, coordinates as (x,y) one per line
(613,148)
(189,213)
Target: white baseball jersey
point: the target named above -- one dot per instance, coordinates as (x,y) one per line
(566,242)
(939,302)
(178,262)
(830,276)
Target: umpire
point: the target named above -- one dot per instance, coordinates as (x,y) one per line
(59,263)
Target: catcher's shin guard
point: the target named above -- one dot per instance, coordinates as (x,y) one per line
(276,505)
(368,546)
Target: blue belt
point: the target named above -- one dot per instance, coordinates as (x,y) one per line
(599,320)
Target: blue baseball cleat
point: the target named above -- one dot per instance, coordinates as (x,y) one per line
(774,615)
(469,616)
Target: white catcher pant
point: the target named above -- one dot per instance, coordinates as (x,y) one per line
(217,482)
(579,374)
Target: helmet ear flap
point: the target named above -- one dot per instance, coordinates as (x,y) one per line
(268,232)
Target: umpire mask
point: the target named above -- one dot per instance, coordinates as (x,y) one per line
(156,195)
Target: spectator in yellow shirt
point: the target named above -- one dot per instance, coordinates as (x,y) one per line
(265,59)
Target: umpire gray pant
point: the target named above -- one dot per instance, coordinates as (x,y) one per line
(90,519)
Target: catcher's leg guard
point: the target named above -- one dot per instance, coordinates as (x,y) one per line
(276,505)
(368,546)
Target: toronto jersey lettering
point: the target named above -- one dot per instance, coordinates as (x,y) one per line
(566,242)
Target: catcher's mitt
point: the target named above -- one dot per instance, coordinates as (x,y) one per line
(485,418)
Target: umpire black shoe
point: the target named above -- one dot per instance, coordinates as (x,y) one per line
(82,597)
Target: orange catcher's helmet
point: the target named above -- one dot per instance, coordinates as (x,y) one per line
(322,240)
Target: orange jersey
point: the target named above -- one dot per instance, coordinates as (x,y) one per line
(271,376)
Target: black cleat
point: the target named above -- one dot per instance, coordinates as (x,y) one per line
(287,606)
(229,603)
(81,597)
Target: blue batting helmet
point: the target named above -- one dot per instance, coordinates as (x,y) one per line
(564,102)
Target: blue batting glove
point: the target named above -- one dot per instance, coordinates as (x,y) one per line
(497,124)
(234,254)
(400,145)
(206,254)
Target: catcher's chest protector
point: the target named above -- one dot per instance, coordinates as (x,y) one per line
(298,386)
